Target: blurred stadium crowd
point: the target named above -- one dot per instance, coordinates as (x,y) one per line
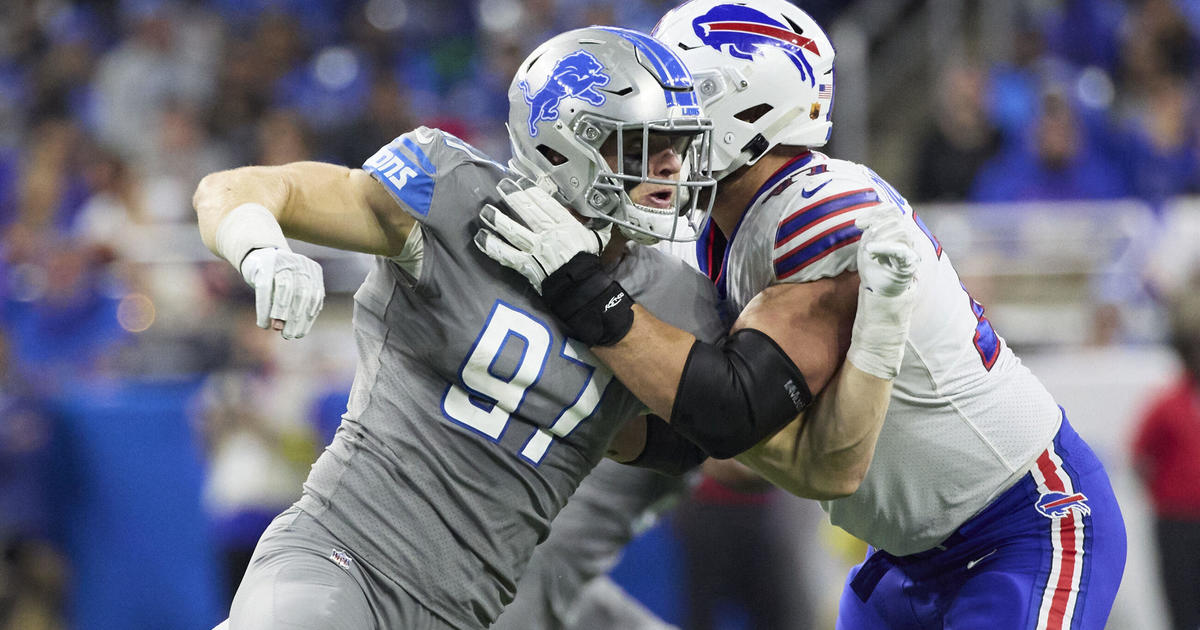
(148,431)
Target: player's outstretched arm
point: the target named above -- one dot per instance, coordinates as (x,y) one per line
(826,453)
(724,397)
(315,202)
(244,214)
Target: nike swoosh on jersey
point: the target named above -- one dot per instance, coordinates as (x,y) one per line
(808,192)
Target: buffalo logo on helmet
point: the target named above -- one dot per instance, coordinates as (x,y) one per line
(575,75)
(1060,504)
(741,31)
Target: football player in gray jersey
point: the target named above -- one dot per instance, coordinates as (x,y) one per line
(472,417)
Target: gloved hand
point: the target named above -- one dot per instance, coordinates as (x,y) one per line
(289,289)
(887,266)
(887,260)
(551,234)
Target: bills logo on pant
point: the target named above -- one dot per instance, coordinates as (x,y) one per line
(1059,504)
(576,75)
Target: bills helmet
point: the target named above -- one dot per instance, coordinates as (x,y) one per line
(764,71)
(588,109)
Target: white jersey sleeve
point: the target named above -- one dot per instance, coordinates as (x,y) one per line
(801,228)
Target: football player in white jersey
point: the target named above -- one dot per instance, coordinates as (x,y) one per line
(980,502)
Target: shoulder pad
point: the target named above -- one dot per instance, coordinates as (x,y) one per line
(411,165)
(405,169)
(816,215)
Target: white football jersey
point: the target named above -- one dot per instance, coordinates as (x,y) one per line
(966,418)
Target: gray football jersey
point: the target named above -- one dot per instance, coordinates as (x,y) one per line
(472,417)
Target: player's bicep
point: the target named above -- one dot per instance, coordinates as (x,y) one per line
(810,321)
(345,208)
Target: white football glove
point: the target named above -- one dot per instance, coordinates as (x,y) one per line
(887,266)
(551,234)
(887,260)
(289,289)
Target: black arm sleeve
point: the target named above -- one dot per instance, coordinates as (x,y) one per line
(737,392)
(666,450)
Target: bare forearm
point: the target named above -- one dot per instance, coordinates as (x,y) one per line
(315,202)
(844,426)
(826,454)
(649,360)
(220,192)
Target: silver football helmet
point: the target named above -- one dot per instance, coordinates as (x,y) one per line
(764,70)
(590,108)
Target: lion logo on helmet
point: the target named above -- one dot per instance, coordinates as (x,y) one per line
(576,75)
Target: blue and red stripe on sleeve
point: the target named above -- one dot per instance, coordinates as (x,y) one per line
(815,246)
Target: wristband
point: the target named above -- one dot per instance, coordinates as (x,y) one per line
(247,227)
(593,307)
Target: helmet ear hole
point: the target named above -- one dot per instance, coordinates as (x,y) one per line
(752,114)
(552,156)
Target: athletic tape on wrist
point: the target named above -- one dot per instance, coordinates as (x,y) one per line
(247,227)
(880,333)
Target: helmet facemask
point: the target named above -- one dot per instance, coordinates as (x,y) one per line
(591,112)
(675,208)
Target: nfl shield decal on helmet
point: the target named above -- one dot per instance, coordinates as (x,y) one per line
(576,75)
(741,31)
(1059,504)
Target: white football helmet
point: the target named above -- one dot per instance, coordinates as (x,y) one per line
(602,90)
(764,71)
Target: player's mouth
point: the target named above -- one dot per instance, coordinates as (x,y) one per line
(658,199)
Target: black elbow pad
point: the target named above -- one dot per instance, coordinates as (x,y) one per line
(737,392)
(667,451)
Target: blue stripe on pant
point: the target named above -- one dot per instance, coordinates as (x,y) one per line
(1011,566)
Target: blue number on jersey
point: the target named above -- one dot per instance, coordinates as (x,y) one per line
(987,342)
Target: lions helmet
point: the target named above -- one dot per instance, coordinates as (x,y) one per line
(764,70)
(600,92)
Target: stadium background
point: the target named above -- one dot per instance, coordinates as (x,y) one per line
(147,429)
